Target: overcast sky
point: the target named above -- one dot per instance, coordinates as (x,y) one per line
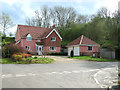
(18,10)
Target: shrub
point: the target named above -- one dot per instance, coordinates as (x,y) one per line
(24,55)
(119,74)
(17,57)
(35,57)
(10,49)
(57,53)
(4,42)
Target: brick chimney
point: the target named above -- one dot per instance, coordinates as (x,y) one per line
(53,26)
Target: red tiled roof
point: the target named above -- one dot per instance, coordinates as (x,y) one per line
(83,40)
(76,41)
(35,32)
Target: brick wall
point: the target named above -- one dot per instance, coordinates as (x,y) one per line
(24,43)
(48,42)
(85,49)
(47,49)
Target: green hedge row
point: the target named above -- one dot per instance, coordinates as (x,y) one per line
(57,53)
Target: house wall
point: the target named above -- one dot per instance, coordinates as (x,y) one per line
(47,49)
(85,49)
(31,43)
(17,35)
(48,42)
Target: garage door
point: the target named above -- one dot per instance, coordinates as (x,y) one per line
(69,50)
(76,51)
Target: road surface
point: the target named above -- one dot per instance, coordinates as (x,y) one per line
(63,73)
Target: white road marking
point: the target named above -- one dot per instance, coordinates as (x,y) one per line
(96,79)
(76,71)
(7,76)
(31,74)
(20,75)
(102,86)
(53,72)
(67,72)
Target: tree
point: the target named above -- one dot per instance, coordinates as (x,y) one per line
(46,16)
(41,17)
(5,22)
(64,16)
(59,16)
(82,19)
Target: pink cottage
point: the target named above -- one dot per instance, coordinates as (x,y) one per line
(83,46)
(38,39)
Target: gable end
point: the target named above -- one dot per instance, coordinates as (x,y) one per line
(55,32)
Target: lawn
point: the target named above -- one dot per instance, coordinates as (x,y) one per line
(30,60)
(6,61)
(89,58)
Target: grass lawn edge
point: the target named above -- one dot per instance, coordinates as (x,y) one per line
(88,58)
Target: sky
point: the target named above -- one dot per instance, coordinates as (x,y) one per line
(19,10)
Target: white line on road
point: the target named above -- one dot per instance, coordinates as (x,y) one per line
(7,76)
(100,70)
(20,75)
(67,72)
(50,73)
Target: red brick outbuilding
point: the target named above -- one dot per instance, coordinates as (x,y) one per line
(82,46)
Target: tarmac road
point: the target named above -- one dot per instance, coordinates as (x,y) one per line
(63,73)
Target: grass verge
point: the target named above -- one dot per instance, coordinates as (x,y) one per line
(27,61)
(89,58)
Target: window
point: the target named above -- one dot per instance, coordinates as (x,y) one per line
(53,39)
(29,38)
(38,40)
(27,48)
(89,48)
(52,48)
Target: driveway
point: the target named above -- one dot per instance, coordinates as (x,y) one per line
(63,73)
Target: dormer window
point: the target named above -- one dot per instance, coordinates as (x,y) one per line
(29,37)
(53,39)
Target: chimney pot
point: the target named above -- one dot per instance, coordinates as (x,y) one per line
(53,26)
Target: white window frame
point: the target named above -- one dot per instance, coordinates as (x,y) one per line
(38,40)
(88,48)
(29,37)
(27,48)
(52,47)
(53,39)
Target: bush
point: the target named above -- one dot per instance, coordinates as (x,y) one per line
(119,74)
(17,57)
(24,55)
(57,53)
(35,57)
(4,42)
(20,56)
(10,49)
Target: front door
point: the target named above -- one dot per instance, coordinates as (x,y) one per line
(39,50)
(76,51)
